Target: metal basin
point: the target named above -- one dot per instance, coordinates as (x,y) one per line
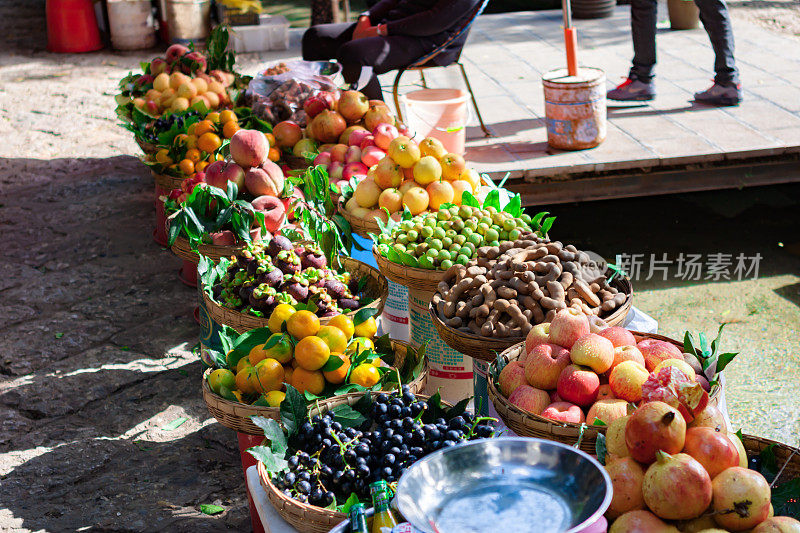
(515,484)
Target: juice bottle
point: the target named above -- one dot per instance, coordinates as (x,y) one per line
(358,520)
(383,517)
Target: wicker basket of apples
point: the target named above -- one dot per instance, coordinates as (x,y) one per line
(571,381)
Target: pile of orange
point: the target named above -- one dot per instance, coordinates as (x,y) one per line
(298,353)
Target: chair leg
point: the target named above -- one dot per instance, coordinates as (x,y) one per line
(422,77)
(474,101)
(396,95)
(346,10)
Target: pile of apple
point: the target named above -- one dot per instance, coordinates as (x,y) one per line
(180,80)
(568,373)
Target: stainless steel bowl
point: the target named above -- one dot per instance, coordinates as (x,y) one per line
(512,484)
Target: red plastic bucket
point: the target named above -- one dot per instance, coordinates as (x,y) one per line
(72,26)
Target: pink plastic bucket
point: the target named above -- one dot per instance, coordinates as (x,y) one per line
(438,113)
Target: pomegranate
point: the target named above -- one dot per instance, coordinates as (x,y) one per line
(741,498)
(327,126)
(712,449)
(249,148)
(377,115)
(740,448)
(640,521)
(710,417)
(669,473)
(672,386)
(778,524)
(287,134)
(615,437)
(626,478)
(654,426)
(318,103)
(352,105)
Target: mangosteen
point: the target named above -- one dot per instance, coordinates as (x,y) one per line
(297,290)
(244,259)
(259,264)
(352,286)
(246,290)
(288,262)
(272,276)
(277,244)
(262,297)
(348,304)
(310,259)
(285,298)
(216,290)
(335,288)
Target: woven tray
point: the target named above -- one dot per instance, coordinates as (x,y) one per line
(784,455)
(167,183)
(420,279)
(302,516)
(215,252)
(376,288)
(147,148)
(528,424)
(360,226)
(487,348)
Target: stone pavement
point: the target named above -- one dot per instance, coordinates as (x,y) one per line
(102,425)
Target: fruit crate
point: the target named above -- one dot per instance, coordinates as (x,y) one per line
(269,34)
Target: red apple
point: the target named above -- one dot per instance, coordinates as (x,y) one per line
(354,169)
(335,171)
(384,135)
(655,351)
(579,385)
(618,336)
(368,140)
(338,152)
(564,412)
(353,155)
(568,326)
(371,155)
(357,136)
(323,158)
(544,365)
(593,351)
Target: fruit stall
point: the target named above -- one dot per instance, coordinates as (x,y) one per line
(399,346)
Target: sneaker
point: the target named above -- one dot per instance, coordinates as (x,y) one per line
(720,95)
(633,90)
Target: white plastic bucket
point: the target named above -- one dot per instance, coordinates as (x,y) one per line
(132,24)
(395,313)
(439,113)
(449,372)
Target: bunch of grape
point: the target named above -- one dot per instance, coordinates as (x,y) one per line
(165,123)
(333,461)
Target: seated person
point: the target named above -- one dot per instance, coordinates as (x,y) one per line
(391,35)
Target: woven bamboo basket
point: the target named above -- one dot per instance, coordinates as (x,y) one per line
(527,424)
(360,226)
(376,288)
(420,279)
(147,148)
(215,252)
(486,348)
(166,182)
(784,455)
(302,516)
(236,415)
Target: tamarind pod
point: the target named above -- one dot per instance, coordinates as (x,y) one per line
(537,293)
(586,294)
(453,322)
(572,267)
(565,255)
(538,315)
(566,279)
(464,310)
(551,314)
(619,298)
(571,248)
(528,314)
(528,302)
(477,300)
(549,303)
(506,292)
(443,287)
(556,290)
(505,246)
(474,270)
(473,327)
(605,295)
(554,247)
(483,262)
(594,287)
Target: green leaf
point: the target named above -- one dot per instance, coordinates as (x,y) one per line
(310,396)
(211,509)
(716,342)
(724,359)
(408,259)
(58,335)
(786,498)
(347,416)
(769,463)
(598,422)
(492,199)
(363,315)
(547,224)
(469,200)
(332,364)
(500,363)
(435,408)
(273,462)
(704,344)
(600,448)
(351,501)
(293,410)
(688,344)
(349,387)
(458,409)
(272,431)
(514,206)
(249,340)
(175,424)
(363,405)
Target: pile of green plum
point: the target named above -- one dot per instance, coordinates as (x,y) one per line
(449,236)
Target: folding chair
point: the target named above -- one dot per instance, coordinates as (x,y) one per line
(424,63)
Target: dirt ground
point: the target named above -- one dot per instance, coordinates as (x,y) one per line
(102,426)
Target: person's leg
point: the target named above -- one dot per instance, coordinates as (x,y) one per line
(383,54)
(643,32)
(717,22)
(323,41)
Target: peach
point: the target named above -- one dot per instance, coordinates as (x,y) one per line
(680,364)
(367,193)
(626,380)
(352,105)
(287,134)
(404,151)
(338,152)
(568,326)
(607,411)
(158,66)
(432,147)
(619,336)
(564,412)
(605,392)
(539,334)
(371,155)
(249,148)
(384,135)
(641,521)
(452,166)
(593,351)
(273,210)
(511,377)
(391,199)
(615,437)
(579,385)
(626,353)
(427,170)
(655,351)
(416,199)
(388,174)
(544,365)
(530,399)
(439,192)
(223,238)
(626,479)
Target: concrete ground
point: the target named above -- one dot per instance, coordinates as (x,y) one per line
(102,426)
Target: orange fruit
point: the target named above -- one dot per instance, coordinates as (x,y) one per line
(274,154)
(227,116)
(193,155)
(186,166)
(209,142)
(270,375)
(279,315)
(247,380)
(229,128)
(308,380)
(179,139)
(270,138)
(359,344)
(191,141)
(162,156)
(344,323)
(334,338)
(311,353)
(213,117)
(274,398)
(257,354)
(302,324)
(243,362)
(190,129)
(365,375)
(221,377)
(367,329)
(201,166)
(204,126)
(288,370)
(337,376)
(282,351)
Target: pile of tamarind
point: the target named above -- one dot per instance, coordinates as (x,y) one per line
(508,289)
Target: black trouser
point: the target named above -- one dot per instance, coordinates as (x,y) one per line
(383,54)
(716,21)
